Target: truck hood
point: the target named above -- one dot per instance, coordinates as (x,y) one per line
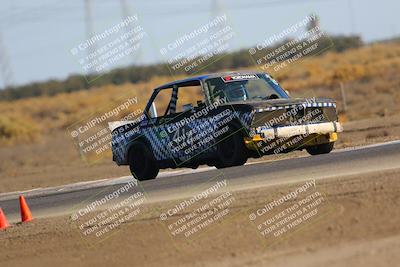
(283,102)
(279,112)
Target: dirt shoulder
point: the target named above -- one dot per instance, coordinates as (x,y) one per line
(358,226)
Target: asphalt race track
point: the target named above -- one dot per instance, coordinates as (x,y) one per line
(62,200)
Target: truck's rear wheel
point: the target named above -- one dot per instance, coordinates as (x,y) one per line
(320,149)
(231,151)
(142,163)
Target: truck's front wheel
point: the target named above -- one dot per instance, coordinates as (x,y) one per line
(231,151)
(320,149)
(142,163)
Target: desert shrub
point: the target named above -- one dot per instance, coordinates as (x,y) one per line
(17,129)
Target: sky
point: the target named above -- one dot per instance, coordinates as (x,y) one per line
(36,37)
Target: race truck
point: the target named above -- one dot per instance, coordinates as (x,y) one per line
(222,120)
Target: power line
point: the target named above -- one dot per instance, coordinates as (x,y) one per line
(46,12)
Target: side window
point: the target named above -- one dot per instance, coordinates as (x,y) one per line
(161,102)
(216,89)
(189,97)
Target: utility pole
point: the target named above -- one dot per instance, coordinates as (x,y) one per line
(215,6)
(217,10)
(314,23)
(352,16)
(136,55)
(89,31)
(5,66)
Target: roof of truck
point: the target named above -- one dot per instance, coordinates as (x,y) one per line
(193,80)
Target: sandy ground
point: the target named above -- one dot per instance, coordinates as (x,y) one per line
(55,161)
(356,225)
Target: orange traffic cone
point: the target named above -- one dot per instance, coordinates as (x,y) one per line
(26,215)
(3,220)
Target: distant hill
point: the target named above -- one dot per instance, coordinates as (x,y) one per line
(135,74)
(369,75)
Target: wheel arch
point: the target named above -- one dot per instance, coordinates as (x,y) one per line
(238,126)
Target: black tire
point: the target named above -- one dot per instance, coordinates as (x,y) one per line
(231,150)
(320,149)
(142,163)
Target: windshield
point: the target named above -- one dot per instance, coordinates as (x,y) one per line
(246,87)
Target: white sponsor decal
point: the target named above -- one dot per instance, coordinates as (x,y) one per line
(232,78)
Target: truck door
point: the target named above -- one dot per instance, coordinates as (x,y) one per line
(177,130)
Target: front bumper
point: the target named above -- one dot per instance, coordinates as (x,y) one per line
(269,134)
(288,138)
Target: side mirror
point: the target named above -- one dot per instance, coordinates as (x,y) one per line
(200,103)
(153,110)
